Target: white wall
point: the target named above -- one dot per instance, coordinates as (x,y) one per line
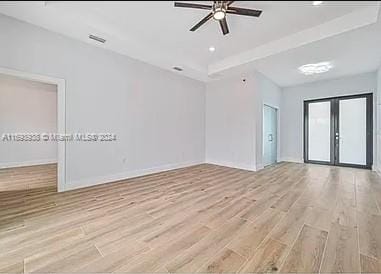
(270,94)
(234,115)
(292,107)
(27,106)
(378,127)
(158,116)
(230,123)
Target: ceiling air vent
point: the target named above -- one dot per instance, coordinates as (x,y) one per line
(178,68)
(96,38)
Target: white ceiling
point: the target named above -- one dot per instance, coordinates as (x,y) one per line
(350,53)
(283,38)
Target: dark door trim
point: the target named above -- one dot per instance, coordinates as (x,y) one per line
(334,144)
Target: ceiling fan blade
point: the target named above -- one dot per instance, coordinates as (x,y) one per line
(193,6)
(224,26)
(203,21)
(242,11)
(229,3)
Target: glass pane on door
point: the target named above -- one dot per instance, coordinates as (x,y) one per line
(319,131)
(352,131)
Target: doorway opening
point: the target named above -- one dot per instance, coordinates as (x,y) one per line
(33,114)
(270,135)
(339,131)
(28,110)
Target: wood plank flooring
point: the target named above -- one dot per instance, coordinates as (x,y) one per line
(206,218)
(28,177)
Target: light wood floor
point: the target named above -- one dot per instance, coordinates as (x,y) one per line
(28,177)
(206,218)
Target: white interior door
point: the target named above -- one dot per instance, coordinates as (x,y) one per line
(352,131)
(270,125)
(319,131)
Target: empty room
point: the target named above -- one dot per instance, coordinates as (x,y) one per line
(190,137)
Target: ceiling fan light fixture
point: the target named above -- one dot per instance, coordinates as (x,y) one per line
(219,10)
(219,14)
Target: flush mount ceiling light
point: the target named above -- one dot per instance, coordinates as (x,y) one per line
(317,68)
(317,3)
(212,49)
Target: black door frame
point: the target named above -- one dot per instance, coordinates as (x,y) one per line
(334,159)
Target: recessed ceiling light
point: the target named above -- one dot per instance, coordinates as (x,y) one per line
(310,69)
(211,48)
(317,3)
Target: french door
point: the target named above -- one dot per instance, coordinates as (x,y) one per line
(338,131)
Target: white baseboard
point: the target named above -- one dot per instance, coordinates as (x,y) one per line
(259,167)
(293,160)
(70,185)
(28,163)
(377,169)
(231,164)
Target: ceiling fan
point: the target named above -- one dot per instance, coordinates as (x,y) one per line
(218,11)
